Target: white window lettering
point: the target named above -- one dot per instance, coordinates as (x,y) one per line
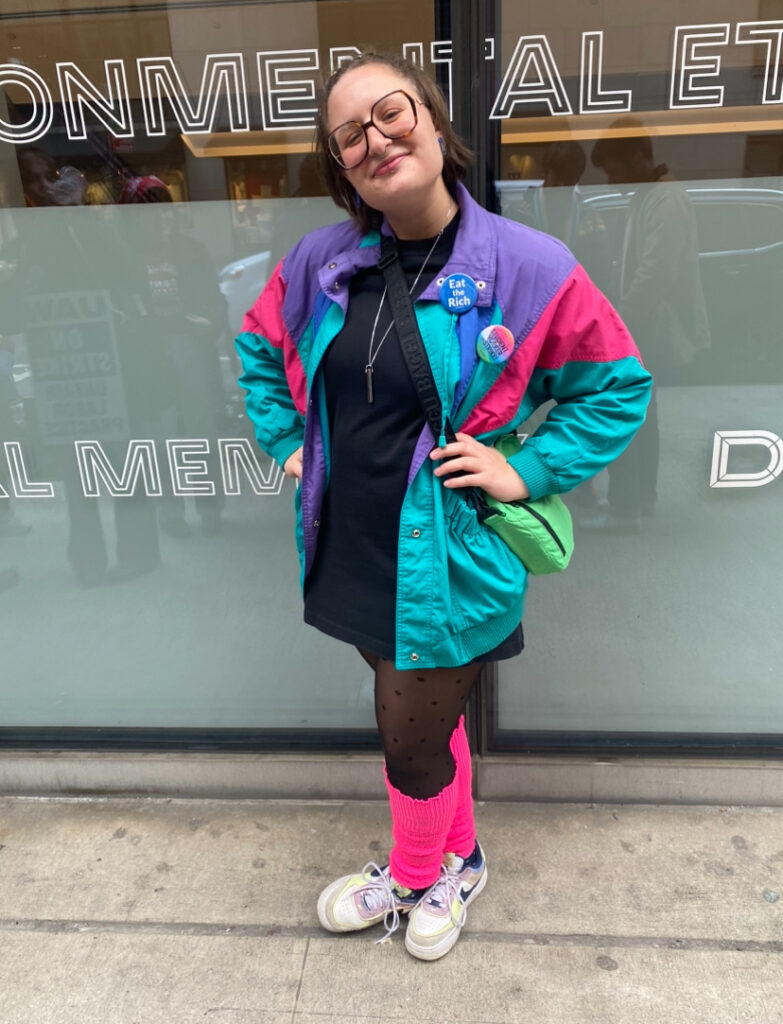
(187,469)
(690,67)
(770,35)
(592,95)
(339,55)
(41,105)
(287,101)
(725,440)
(159,79)
(240,454)
(23,486)
(441,53)
(532,78)
(79,94)
(414,52)
(141,462)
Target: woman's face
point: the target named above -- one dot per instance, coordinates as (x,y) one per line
(395,171)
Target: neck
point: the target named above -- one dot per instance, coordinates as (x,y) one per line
(408,224)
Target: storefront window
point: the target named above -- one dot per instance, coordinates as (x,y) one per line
(650,142)
(156,163)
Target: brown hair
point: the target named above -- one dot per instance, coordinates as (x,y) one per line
(456,157)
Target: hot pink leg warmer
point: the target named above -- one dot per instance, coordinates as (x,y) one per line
(462,834)
(419,829)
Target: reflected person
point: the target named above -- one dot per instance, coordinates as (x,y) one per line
(10,430)
(10,524)
(179,318)
(70,300)
(659,296)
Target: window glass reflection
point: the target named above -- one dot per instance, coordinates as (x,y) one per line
(675,207)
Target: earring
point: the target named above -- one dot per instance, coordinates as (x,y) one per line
(442,145)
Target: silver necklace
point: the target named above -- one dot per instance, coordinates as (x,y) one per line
(372,354)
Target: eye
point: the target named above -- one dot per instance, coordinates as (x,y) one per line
(391,113)
(349,135)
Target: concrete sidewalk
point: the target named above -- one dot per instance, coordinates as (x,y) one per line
(135,911)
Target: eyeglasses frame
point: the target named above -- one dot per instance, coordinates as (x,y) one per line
(371,124)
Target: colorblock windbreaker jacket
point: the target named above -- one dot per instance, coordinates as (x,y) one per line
(460,590)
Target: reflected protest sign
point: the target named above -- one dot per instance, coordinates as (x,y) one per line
(72,343)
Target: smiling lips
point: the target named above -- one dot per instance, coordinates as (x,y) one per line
(388,165)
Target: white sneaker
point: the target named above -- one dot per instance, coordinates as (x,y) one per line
(437,919)
(359,901)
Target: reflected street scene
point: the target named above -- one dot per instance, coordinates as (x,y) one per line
(156,165)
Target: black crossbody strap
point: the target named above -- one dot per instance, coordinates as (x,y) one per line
(410,340)
(417,361)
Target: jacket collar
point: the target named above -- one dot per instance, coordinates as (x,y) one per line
(474,254)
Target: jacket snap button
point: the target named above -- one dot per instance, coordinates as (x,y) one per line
(332,266)
(337,286)
(481,284)
(414,656)
(316,523)
(415,533)
(440,281)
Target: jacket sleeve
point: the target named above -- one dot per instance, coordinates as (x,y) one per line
(273,376)
(587,363)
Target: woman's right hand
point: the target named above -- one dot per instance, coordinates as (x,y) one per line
(293,464)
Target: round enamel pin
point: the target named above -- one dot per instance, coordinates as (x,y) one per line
(495,344)
(458,293)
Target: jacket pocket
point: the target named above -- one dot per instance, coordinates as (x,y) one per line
(486,580)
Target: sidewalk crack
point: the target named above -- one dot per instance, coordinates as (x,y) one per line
(299,983)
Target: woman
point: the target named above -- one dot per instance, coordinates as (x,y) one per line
(393,558)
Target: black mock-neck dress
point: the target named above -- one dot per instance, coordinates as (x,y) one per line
(351,590)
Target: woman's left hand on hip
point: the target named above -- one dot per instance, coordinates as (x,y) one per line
(479,465)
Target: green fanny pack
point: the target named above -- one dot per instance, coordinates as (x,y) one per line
(540,532)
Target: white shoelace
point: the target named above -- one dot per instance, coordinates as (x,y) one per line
(445,891)
(379,894)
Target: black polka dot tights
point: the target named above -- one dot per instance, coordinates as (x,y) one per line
(417,710)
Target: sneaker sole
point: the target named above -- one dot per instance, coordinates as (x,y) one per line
(450,938)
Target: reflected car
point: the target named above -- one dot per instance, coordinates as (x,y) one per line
(740,230)
(241,283)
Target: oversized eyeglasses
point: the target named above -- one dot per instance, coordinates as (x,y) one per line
(393,115)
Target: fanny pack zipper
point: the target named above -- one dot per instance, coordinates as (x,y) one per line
(537,515)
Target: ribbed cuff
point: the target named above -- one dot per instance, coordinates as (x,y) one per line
(534,471)
(419,829)
(282,450)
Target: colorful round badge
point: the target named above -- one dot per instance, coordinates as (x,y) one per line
(458,293)
(495,344)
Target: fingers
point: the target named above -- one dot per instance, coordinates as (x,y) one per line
(293,465)
(458,464)
(467,462)
(466,455)
(464,445)
(467,479)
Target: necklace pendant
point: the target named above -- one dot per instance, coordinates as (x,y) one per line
(368,381)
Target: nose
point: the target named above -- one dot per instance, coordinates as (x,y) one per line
(376,141)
